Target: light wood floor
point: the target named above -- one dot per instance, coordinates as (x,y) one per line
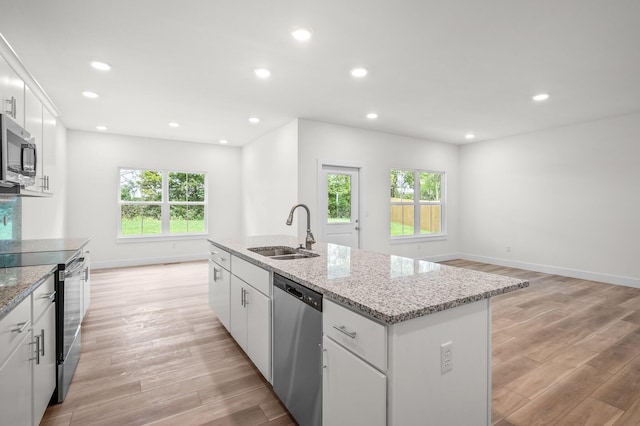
(154,353)
(565,352)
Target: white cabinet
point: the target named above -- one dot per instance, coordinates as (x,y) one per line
(220,283)
(250,313)
(354,386)
(86,283)
(44,367)
(33,125)
(15,392)
(15,365)
(48,152)
(353,392)
(28,357)
(250,320)
(11,93)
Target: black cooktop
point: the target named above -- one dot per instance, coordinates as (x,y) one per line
(11,260)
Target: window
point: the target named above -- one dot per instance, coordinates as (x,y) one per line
(417,203)
(162,203)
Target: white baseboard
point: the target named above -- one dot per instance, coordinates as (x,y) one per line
(556,270)
(442,257)
(120,263)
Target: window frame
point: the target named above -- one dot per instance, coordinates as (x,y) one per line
(417,203)
(165,208)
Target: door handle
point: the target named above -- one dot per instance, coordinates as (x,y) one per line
(42,340)
(357,228)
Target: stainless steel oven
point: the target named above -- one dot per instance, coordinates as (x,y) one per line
(69,281)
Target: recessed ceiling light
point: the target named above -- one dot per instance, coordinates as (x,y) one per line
(102,66)
(469,136)
(541,97)
(262,72)
(372,116)
(90,95)
(223,141)
(359,72)
(301,33)
(254,120)
(101,128)
(174,124)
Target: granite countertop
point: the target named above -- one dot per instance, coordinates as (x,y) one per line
(386,287)
(53,244)
(16,284)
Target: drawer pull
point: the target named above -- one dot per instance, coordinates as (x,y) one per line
(49,296)
(343,329)
(22,326)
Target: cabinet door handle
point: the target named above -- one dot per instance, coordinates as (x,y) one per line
(22,326)
(42,340)
(215,274)
(50,296)
(324,351)
(14,107)
(246,298)
(37,343)
(242,296)
(343,329)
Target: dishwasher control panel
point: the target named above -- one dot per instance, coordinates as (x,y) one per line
(300,292)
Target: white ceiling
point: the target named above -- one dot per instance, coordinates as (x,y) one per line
(437,69)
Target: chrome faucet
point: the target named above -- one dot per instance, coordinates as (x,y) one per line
(309,240)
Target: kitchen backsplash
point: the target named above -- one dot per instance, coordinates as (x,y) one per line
(10,218)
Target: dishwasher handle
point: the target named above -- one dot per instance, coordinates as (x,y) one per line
(295,293)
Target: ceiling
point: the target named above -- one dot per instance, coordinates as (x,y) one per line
(437,69)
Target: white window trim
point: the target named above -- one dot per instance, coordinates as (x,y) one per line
(165,212)
(440,236)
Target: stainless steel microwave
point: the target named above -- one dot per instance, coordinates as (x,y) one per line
(19,154)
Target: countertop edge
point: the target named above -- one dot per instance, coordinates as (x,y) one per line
(25,292)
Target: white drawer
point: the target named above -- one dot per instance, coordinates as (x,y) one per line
(220,256)
(10,335)
(251,274)
(362,336)
(43,297)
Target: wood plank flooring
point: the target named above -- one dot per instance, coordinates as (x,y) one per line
(153,353)
(565,352)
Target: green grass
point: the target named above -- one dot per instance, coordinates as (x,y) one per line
(397,229)
(154,226)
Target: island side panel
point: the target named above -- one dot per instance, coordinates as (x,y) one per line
(418,392)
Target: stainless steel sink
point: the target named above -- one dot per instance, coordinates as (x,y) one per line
(282,252)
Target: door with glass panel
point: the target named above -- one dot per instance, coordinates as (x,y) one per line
(339,213)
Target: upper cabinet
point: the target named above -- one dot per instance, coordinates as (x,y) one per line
(11,93)
(22,99)
(48,153)
(33,125)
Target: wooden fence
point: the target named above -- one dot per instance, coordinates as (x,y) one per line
(429,217)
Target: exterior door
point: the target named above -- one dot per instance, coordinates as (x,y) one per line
(339,201)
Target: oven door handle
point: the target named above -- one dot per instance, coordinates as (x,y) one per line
(70,272)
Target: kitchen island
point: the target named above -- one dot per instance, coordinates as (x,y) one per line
(417,347)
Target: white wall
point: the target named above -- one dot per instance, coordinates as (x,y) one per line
(270,181)
(45,217)
(378,153)
(565,201)
(93,179)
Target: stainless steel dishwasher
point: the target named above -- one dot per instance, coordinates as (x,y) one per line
(297,349)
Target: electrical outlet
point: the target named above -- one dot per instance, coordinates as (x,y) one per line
(446,357)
